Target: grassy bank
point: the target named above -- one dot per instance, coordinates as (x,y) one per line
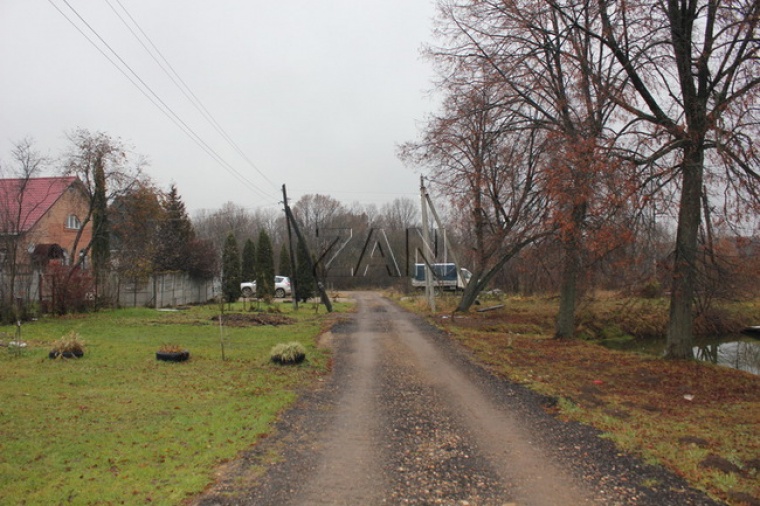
(117,426)
(699,420)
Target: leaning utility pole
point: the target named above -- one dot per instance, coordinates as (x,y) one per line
(320,286)
(457,265)
(293,281)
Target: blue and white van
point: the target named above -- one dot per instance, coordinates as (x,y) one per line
(444,277)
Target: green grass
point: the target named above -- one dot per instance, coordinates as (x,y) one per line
(117,426)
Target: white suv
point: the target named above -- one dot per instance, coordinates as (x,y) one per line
(281,287)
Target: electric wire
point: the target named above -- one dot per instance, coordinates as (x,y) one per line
(180,83)
(185,127)
(177,80)
(147,91)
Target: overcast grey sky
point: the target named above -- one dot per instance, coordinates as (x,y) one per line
(315,93)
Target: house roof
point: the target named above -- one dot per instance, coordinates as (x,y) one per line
(24,201)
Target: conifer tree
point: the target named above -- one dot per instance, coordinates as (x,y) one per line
(249,261)
(231,270)
(284,267)
(305,282)
(176,234)
(264,267)
(101,250)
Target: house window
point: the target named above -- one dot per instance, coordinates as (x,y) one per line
(73,222)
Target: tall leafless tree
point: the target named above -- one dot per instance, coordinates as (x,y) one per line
(537,64)
(90,154)
(491,174)
(687,83)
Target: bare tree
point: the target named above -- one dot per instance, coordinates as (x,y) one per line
(400,214)
(244,223)
(533,66)
(15,212)
(315,211)
(93,157)
(669,86)
(686,76)
(491,174)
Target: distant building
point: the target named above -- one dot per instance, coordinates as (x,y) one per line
(40,219)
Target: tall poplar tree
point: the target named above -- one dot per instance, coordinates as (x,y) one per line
(264,267)
(101,231)
(249,261)
(305,283)
(231,270)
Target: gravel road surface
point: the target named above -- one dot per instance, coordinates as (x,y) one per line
(407,418)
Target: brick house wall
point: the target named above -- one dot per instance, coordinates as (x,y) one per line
(54,225)
(39,219)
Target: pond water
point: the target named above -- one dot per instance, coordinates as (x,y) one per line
(737,351)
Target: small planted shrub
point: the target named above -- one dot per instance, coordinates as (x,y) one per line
(69,346)
(288,353)
(171,348)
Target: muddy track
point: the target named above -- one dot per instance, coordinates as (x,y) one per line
(406,418)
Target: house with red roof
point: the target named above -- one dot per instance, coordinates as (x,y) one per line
(41,219)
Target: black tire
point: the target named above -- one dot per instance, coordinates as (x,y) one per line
(172,356)
(279,293)
(247,292)
(66,354)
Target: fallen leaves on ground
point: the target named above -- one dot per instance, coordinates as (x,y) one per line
(687,415)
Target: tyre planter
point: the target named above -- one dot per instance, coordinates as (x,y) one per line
(173,356)
(66,354)
(294,361)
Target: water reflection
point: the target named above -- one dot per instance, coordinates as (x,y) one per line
(742,355)
(736,351)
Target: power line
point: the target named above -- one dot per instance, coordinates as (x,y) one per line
(180,83)
(164,107)
(148,92)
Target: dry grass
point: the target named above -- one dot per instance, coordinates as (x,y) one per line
(699,420)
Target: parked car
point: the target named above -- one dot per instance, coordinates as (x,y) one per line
(281,287)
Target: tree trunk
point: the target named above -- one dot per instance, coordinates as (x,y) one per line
(565,325)
(680,339)
(469,296)
(481,278)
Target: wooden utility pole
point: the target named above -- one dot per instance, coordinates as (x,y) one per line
(457,265)
(429,291)
(293,282)
(320,285)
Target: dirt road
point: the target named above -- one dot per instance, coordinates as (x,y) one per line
(406,418)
